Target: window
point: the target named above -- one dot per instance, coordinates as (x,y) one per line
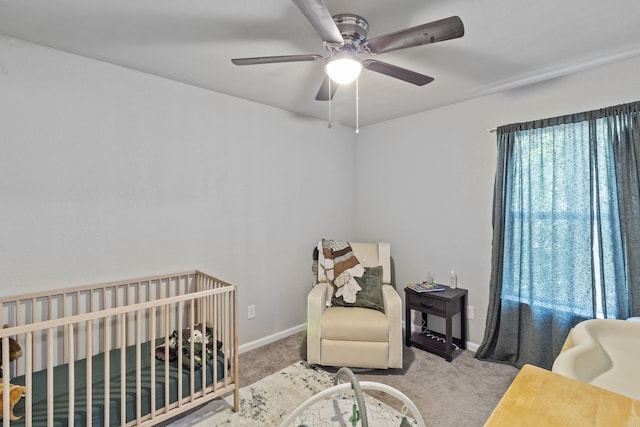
(559,183)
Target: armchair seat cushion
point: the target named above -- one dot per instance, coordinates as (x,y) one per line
(354,323)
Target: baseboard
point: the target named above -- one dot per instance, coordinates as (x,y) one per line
(471,346)
(271,338)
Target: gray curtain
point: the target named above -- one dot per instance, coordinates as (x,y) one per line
(528,327)
(624,124)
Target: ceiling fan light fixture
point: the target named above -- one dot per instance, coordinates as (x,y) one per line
(343,70)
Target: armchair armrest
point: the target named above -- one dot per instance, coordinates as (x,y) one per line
(316,304)
(393,311)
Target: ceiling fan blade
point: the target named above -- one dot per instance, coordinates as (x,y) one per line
(432,32)
(275,59)
(397,72)
(323,93)
(317,13)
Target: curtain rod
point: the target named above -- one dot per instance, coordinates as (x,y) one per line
(492,130)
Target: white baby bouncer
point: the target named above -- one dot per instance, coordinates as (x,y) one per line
(318,410)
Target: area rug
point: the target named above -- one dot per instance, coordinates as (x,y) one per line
(270,400)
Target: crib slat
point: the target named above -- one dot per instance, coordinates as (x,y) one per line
(205,343)
(138,321)
(17,322)
(152,338)
(127,302)
(234,323)
(180,314)
(5,380)
(167,327)
(224,335)
(28,381)
(77,343)
(33,304)
(89,372)
(226,312)
(50,376)
(224,303)
(219,335)
(107,370)
(192,367)
(123,371)
(72,379)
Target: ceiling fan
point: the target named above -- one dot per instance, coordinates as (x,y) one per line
(345,38)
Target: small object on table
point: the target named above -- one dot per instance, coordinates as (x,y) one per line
(425,287)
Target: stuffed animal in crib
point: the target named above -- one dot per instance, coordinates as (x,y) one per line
(15,394)
(15,351)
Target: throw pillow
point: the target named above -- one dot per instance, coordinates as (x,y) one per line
(371,294)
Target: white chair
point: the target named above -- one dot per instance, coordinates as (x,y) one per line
(356,337)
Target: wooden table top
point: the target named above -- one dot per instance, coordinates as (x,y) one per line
(538,397)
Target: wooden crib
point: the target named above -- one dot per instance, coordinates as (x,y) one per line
(92,355)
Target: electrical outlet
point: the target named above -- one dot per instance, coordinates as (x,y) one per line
(469,312)
(251,312)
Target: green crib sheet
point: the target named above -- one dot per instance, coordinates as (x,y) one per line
(61,388)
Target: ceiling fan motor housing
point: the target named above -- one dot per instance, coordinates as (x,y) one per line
(353,28)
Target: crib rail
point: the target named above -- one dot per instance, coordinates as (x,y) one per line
(115,320)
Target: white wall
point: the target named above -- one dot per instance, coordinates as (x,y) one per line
(107,173)
(425,182)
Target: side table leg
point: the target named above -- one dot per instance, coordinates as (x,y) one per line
(407,325)
(463,323)
(449,334)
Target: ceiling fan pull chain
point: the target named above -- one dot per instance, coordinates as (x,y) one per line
(330,124)
(357,106)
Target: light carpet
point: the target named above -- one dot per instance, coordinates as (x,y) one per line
(270,400)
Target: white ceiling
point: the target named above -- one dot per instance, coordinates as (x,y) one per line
(507,44)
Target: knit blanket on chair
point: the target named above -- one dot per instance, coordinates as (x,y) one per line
(340,267)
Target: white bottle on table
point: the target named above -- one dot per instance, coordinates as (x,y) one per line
(453,280)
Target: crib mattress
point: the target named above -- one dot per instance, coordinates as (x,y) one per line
(61,387)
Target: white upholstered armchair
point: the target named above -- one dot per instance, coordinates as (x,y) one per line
(356,337)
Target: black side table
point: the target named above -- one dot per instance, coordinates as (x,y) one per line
(443,304)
